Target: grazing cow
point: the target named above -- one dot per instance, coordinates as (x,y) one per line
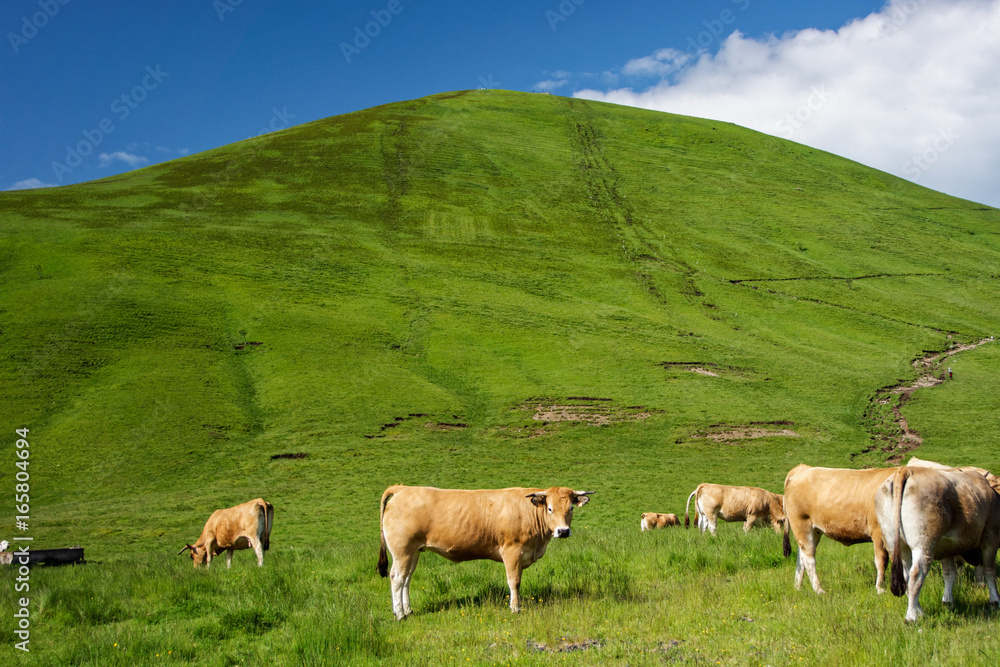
(512,526)
(838,503)
(651,520)
(246,526)
(734,503)
(928,514)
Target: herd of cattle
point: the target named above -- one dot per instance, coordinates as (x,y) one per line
(920,512)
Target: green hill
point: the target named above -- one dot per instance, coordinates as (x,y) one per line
(398,292)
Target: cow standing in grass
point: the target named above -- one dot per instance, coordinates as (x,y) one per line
(838,503)
(512,526)
(246,526)
(928,514)
(748,504)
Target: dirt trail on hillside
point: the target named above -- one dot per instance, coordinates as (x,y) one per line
(933,372)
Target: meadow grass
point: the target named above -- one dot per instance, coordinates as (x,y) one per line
(607,597)
(396,293)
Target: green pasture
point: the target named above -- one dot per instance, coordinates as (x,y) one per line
(397,293)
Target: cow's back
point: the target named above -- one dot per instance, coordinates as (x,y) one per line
(460,524)
(231,526)
(837,501)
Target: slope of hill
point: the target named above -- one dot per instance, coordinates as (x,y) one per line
(480,289)
(472,289)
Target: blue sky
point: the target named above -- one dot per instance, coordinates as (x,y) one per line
(132,84)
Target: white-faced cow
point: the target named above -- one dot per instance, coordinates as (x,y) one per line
(928,514)
(512,526)
(651,520)
(246,526)
(838,503)
(748,504)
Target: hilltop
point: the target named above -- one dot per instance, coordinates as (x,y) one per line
(399,292)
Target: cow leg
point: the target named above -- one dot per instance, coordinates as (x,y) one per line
(918,572)
(512,563)
(950,573)
(807,560)
(881,560)
(398,579)
(710,522)
(990,573)
(229,558)
(748,524)
(259,550)
(406,584)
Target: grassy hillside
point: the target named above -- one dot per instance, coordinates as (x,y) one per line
(397,292)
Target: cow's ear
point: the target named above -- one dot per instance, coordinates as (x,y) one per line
(581,498)
(537,499)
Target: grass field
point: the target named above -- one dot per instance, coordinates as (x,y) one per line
(397,293)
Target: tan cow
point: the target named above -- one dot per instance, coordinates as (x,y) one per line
(246,526)
(748,504)
(993,480)
(929,514)
(838,503)
(512,526)
(651,520)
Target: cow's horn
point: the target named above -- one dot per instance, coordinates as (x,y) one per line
(186,547)
(583,493)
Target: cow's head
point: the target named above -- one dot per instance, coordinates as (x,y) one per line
(558,503)
(198,553)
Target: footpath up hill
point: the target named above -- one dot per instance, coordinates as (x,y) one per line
(473,289)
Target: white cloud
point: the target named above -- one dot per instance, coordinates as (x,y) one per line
(30,184)
(550,84)
(132,160)
(661,63)
(912,89)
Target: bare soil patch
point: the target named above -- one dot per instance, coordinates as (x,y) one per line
(751,431)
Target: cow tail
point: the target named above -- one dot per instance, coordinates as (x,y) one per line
(687,507)
(786,544)
(268,510)
(897,581)
(383,555)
